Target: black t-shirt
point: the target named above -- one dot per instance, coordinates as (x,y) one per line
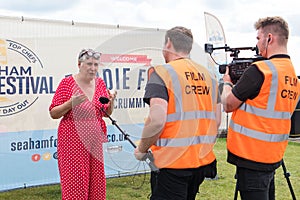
(155,88)
(249,85)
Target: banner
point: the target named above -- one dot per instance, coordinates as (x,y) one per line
(34,56)
(215,35)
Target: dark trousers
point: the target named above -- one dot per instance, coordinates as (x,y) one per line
(258,185)
(176,184)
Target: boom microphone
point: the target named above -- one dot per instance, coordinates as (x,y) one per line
(104,100)
(148,157)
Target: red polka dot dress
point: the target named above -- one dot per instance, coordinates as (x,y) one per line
(81,133)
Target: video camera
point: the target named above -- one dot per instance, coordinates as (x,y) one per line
(238,65)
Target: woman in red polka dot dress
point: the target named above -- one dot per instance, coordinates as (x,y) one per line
(82,130)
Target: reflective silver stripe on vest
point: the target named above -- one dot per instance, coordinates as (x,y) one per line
(176,88)
(191,115)
(179,114)
(268,113)
(257,134)
(265,112)
(180,142)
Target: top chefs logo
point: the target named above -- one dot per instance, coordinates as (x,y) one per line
(21,81)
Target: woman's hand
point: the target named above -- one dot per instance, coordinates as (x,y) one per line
(60,110)
(78,98)
(111,97)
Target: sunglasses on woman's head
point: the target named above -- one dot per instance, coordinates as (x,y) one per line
(89,53)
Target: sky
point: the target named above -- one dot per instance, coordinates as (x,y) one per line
(237,16)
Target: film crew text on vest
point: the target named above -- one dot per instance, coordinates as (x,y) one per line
(197,88)
(290,93)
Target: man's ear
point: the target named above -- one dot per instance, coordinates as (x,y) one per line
(169,43)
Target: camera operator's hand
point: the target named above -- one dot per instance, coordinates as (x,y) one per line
(228,100)
(139,155)
(226,77)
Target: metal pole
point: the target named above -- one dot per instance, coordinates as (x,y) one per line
(287,175)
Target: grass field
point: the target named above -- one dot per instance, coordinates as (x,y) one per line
(137,187)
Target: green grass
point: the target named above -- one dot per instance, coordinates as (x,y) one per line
(138,188)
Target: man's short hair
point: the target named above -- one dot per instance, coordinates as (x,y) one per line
(275,25)
(181,38)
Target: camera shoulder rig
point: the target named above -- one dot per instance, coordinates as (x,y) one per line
(238,65)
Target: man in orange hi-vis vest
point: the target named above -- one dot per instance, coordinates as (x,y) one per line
(181,128)
(262,102)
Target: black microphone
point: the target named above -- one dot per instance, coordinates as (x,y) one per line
(104,100)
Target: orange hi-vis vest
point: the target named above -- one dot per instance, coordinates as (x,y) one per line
(259,128)
(190,131)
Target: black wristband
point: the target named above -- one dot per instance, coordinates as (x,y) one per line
(229,84)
